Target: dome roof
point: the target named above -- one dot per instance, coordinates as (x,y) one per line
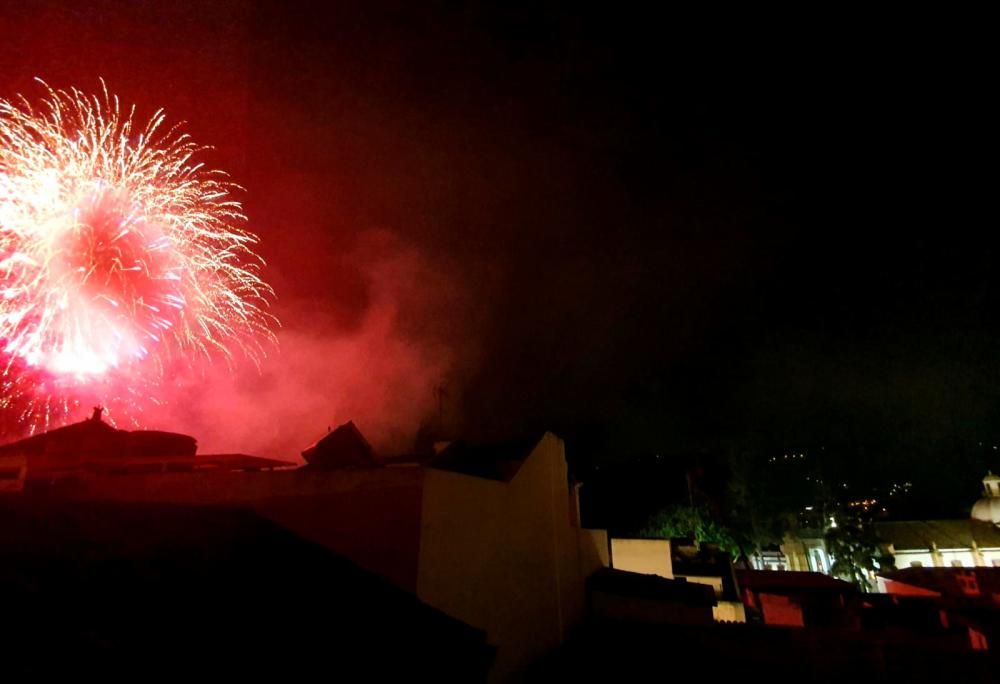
(987,509)
(990,477)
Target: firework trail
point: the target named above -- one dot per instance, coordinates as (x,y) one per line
(121,257)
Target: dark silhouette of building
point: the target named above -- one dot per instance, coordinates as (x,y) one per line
(797,599)
(621,595)
(344,447)
(149,592)
(93,447)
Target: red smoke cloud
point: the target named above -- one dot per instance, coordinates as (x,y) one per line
(379,370)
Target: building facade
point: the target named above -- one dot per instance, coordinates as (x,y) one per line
(973,542)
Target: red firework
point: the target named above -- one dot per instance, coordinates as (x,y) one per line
(120,255)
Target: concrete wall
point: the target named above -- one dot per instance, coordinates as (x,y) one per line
(505,556)
(644,556)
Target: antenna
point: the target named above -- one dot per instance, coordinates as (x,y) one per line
(440,392)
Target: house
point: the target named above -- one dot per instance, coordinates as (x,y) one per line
(966,597)
(706,564)
(487,533)
(501,547)
(797,599)
(681,559)
(973,584)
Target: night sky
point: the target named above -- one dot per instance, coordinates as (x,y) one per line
(652,233)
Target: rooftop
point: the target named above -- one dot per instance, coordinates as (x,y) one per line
(492,461)
(907,535)
(790,581)
(344,447)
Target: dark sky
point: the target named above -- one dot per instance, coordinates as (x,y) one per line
(648,231)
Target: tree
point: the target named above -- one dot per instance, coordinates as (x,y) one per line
(854,548)
(762,505)
(694,522)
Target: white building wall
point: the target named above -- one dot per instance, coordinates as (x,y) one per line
(644,556)
(905,559)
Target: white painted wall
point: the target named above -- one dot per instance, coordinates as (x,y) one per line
(644,556)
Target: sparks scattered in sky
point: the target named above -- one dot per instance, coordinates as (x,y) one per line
(121,256)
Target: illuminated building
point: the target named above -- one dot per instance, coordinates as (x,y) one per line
(973,542)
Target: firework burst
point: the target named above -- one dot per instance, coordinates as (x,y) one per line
(120,255)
